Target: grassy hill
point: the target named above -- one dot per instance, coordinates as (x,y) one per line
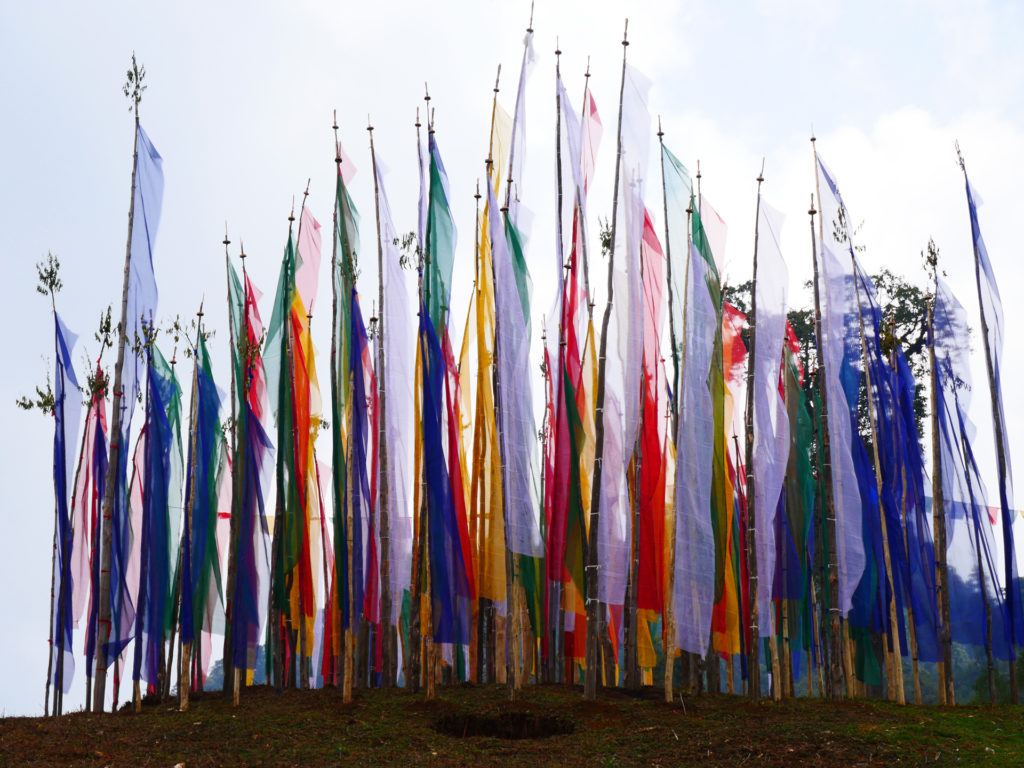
(399,728)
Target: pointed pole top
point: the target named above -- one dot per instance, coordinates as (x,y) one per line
(558,47)
(811,211)
(426,90)
(960,156)
(529,29)
(587,73)
(497,79)
(760,176)
(477,195)
(660,132)
(337,144)
(417,117)
(306,193)
(698,168)
(226,241)
(291,216)
(241,247)
(369,125)
(625,34)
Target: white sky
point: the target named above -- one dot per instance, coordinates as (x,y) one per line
(239,105)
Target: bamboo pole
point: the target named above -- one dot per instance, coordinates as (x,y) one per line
(835,643)
(236,493)
(184,681)
(383,494)
(753,662)
(113,460)
(419,520)
(593,560)
(669,634)
(945,667)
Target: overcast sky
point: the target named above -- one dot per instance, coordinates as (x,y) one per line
(240,104)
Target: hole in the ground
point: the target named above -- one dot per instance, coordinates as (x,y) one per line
(503,725)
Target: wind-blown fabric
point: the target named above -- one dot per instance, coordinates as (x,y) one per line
(200,562)
(362,496)
(771,423)
(975,580)
(448,580)
(992,314)
(399,375)
(252,582)
(678,193)
(841,351)
(67,407)
(99,457)
(157,547)
(141,305)
(86,500)
(695,542)
(651,474)
(521,480)
(884,403)
(142,291)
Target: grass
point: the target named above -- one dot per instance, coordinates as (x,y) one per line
(396,728)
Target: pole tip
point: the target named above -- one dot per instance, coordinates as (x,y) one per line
(625,33)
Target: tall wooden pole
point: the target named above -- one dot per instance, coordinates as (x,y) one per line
(184,678)
(753,660)
(835,645)
(670,516)
(947,694)
(236,491)
(388,650)
(114,457)
(593,559)
(413,672)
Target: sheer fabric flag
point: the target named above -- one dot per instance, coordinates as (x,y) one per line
(841,350)
(201,490)
(142,291)
(771,423)
(307,266)
(399,375)
(448,581)
(517,148)
(67,407)
(992,314)
(518,429)
(98,447)
(361,496)
(163,399)
(695,542)
(629,228)
(678,193)
(252,584)
(140,306)
(440,241)
(651,477)
(975,580)
(86,500)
